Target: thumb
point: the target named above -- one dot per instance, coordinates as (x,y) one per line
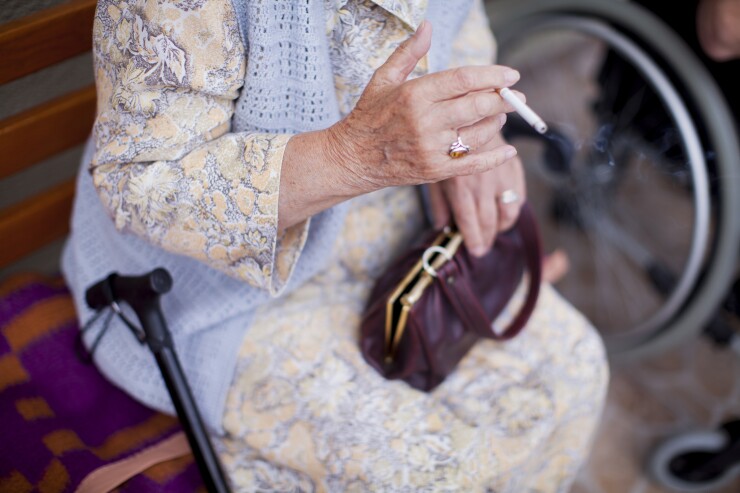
(402,61)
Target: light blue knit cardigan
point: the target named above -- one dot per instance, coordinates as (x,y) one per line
(207,311)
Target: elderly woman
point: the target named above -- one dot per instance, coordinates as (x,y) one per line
(266,152)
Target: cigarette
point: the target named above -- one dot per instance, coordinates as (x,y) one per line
(525,111)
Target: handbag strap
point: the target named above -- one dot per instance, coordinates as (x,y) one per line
(465,302)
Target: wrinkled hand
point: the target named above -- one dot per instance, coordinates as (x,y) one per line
(472,202)
(718,28)
(400,131)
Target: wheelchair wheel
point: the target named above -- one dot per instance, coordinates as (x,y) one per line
(638,179)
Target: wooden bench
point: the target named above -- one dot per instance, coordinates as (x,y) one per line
(28,45)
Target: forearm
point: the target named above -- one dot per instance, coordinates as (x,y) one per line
(313,178)
(217,204)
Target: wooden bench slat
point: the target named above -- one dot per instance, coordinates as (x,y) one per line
(35,222)
(45,38)
(43,131)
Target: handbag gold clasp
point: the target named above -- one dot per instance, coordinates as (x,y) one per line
(413,285)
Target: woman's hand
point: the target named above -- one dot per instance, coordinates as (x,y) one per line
(400,131)
(473,202)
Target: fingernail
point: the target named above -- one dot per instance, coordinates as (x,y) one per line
(422,26)
(511,76)
(510,152)
(501,120)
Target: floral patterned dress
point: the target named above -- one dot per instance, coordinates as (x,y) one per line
(305,412)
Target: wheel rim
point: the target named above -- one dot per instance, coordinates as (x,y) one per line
(509,17)
(634,319)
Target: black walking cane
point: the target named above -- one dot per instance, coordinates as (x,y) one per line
(142,294)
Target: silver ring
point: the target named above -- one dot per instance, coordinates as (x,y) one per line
(509,197)
(458,149)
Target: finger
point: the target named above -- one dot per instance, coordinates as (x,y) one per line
(480,162)
(478,135)
(402,61)
(469,109)
(456,82)
(508,215)
(466,219)
(439,205)
(488,216)
(513,180)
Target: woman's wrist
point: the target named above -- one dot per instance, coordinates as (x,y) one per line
(353,162)
(316,175)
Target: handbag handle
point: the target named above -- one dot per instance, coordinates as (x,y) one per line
(466,304)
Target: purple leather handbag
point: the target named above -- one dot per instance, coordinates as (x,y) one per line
(436,301)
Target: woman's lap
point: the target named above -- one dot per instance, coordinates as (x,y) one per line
(306,412)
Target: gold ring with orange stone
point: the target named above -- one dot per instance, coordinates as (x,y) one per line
(458,149)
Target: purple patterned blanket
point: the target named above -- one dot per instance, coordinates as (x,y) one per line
(59,418)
